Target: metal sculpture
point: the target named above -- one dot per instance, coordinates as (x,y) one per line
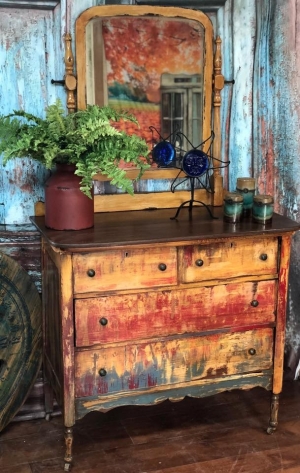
(196,164)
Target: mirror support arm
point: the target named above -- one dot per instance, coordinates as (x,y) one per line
(70,78)
(218,84)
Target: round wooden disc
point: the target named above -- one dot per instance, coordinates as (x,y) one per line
(20,337)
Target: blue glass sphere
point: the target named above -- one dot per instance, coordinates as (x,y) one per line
(163,153)
(195,163)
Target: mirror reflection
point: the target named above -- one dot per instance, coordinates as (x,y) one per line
(151,66)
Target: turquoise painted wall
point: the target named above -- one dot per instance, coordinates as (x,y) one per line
(31,54)
(260,112)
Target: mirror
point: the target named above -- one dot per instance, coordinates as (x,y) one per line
(155,62)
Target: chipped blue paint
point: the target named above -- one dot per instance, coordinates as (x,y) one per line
(240,131)
(34,53)
(28,50)
(145,397)
(282,116)
(286,106)
(236,27)
(28,61)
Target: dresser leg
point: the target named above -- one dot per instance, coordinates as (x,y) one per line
(69,443)
(274,414)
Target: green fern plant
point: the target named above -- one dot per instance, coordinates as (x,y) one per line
(86,138)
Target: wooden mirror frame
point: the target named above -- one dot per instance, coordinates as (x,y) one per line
(213,83)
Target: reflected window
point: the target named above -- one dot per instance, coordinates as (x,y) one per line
(181,106)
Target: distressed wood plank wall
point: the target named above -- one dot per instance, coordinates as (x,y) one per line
(277,162)
(260,112)
(31,54)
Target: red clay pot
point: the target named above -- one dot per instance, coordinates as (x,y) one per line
(66,207)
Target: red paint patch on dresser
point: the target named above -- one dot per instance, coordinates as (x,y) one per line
(151,381)
(133,382)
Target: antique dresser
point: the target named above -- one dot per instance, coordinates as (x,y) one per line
(142,308)
(145,307)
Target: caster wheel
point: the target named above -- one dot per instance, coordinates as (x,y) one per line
(48,417)
(67,467)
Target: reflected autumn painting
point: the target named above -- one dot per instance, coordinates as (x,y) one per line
(150,66)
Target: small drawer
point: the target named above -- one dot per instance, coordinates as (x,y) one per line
(228,259)
(139,366)
(118,318)
(124,269)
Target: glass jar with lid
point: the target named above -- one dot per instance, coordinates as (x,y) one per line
(246,186)
(233,207)
(263,206)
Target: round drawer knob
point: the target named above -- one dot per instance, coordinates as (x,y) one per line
(254,303)
(252,351)
(199,262)
(102,372)
(162,266)
(103,321)
(91,273)
(264,257)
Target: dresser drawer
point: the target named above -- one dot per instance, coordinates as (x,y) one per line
(232,258)
(136,316)
(124,269)
(172,362)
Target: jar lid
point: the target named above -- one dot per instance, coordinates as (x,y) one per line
(263,199)
(246,183)
(233,197)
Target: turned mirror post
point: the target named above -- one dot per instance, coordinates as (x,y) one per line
(70,79)
(217,180)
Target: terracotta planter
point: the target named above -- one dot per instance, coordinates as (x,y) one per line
(66,207)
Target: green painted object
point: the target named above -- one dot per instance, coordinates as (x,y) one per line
(20,337)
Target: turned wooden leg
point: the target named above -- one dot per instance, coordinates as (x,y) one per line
(273,422)
(69,442)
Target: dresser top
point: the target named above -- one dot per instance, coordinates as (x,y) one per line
(147,227)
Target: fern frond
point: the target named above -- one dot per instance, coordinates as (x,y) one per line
(86,138)
(55,116)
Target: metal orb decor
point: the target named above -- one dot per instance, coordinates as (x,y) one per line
(194,163)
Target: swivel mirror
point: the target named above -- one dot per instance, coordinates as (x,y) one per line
(157,63)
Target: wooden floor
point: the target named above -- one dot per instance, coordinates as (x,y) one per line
(220,434)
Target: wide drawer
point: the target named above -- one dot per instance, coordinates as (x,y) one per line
(136,316)
(232,258)
(124,269)
(139,366)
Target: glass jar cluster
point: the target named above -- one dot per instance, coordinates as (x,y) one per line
(243,203)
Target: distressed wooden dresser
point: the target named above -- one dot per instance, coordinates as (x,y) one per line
(142,308)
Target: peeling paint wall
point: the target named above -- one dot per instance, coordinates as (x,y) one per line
(237,26)
(31,54)
(260,112)
(260,121)
(284,44)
